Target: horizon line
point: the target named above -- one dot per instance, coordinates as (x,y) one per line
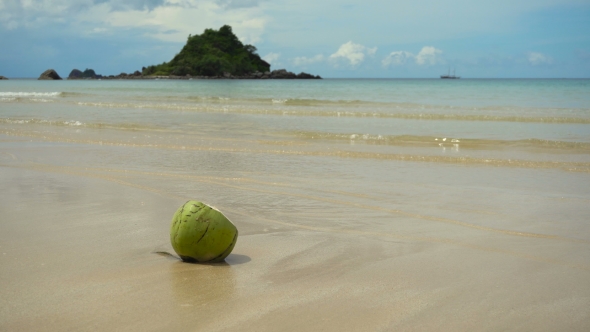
(351,78)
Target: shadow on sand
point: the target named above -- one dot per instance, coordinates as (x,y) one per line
(232,259)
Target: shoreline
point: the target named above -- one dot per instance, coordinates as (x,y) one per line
(92,254)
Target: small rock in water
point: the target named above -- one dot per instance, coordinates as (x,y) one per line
(49,74)
(201,233)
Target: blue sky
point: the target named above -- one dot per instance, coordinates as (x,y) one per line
(346,38)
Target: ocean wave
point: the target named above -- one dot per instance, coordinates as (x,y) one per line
(76,123)
(327,112)
(73,123)
(414,109)
(41,121)
(42,100)
(266,101)
(457,160)
(26,100)
(279,101)
(402,140)
(322,102)
(30,94)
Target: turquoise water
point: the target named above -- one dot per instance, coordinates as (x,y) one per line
(560,93)
(534,122)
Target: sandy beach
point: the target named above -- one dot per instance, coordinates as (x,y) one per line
(335,235)
(82,249)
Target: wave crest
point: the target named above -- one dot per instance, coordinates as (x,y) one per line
(29,94)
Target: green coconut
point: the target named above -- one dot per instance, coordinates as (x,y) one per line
(201,233)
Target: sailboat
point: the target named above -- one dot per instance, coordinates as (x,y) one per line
(449,76)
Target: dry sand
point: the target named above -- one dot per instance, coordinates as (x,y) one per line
(79,251)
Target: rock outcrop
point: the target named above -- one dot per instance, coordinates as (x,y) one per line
(275,74)
(49,74)
(282,73)
(307,76)
(86,74)
(74,74)
(3,78)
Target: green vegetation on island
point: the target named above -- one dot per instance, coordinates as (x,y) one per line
(213,53)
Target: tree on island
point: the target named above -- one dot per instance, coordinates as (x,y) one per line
(212,53)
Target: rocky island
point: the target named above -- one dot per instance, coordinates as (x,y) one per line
(77,74)
(215,54)
(49,74)
(218,54)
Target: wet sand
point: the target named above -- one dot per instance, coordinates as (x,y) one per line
(84,236)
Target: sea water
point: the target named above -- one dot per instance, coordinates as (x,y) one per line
(416,156)
(383,204)
(480,118)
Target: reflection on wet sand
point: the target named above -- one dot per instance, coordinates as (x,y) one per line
(204,293)
(197,285)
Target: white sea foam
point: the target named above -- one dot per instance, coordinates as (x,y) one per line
(30,94)
(15,121)
(73,123)
(279,101)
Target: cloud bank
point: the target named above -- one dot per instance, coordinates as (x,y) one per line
(166,20)
(238,4)
(428,55)
(353,53)
(397,58)
(303,61)
(272,58)
(536,59)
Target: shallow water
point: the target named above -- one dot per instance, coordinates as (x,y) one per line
(481,126)
(459,186)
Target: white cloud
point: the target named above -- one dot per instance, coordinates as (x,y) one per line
(167,20)
(302,61)
(248,23)
(536,58)
(428,55)
(271,58)
(238,4)
(354,53)
(98,30)
(397,58)
(249,30)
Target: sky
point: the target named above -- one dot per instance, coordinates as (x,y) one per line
(331,38)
